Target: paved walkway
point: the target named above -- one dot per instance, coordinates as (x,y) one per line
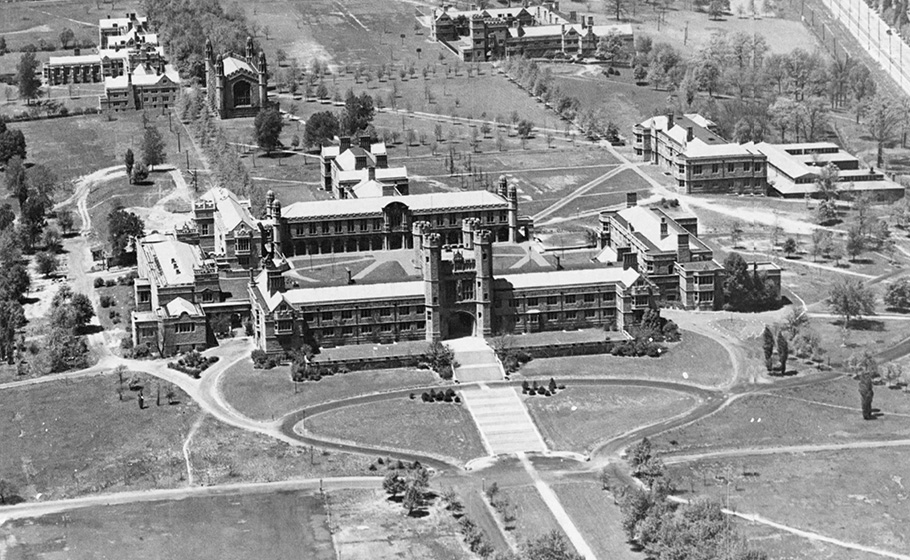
(503,420)
(476,360)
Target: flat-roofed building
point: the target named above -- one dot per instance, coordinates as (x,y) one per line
(794,168)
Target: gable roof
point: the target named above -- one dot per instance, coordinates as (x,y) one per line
(179,306)
(233,64)
(418,203)
(230,209)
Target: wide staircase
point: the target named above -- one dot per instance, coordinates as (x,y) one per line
(476,360)
(503,420)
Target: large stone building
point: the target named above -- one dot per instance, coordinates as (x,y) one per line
(455,293)
(146,87)
(124,44)
(697,157)
(361,171)
(663,244)
(225,229)
(538,31)
(237,86)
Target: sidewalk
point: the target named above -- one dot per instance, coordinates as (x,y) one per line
(503,421)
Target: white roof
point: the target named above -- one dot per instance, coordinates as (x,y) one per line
(80,59)
(174,260)
(110,23)
(143,77)
(233,64)
(647,222)
(783,162)
(365,189)
(178,306)
(549,279)
(418,203)
(699,148)
(354,292)
(328,151)
(622,29)
(232,211)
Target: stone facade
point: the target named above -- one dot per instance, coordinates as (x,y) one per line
(236,86)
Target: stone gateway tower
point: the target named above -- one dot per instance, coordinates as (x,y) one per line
(236,86)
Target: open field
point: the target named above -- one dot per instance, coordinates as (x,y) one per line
(764,421)
(272,526)
(366,524)
(65,439)
(703,360)
(269,394)
(597,517)
(221,454)
(856,496)
(579,417)
(532,516)
(438,428)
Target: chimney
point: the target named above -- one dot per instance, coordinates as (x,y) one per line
(690,134)
(345,144)
(630,260)
(664,231)
(365,142)
(590,21)
(631,199)
(670,121)
(683,254)
(573,17)
(371,173)
(562,29)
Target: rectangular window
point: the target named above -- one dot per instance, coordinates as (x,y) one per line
(747,166)
(532,302)
(362,225)
(386,311)
(407,326)
(325,227)
(731,167)
(590,313)
(570,299)
(347,314)
(715,168)
(503,217)
(404,310)
(312,229)
(327,315)
(208,297)
(203,229)
(243,245)
(347,331)
(285,325)
(552,316)
(386,327)
(145,297)
(551,300)
(696,170)
(366,313)
(148,332)
(338,227)
(418,310)
(186,327)
(589,298)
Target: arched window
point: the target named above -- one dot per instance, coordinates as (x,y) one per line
(241,92)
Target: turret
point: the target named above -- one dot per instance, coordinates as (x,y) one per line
(432,259)
(269,201)
(209,59)
(512,195)
(502,188)
(483,291)
(418,231)
(263,81)
(249,48)
(276,226)
(219,85)
(468,227)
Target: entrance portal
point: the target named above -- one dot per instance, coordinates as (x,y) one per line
(461,324)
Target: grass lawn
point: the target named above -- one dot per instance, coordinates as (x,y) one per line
(768,421)
(853,495)
(844,392)
(366,524)
(123,303)
(268,394)
(579,417)
(443,429)
(705,362)
(875,335)
(271,526)
(532,516)
(597,517)
(221,454)
(65,439)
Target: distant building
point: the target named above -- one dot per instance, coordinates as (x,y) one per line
(124,44)
(237,86)
(697,157)
(663,244)
(146,87)
(224,228)
(361,171)
(538,31)
(794,168)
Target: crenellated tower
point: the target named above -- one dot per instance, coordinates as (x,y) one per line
(432,265)
(483,290)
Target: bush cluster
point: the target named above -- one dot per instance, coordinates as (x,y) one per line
(193,363)
(304,372)
(533,388)
(107,301)
(433,395)
(261,360)
(98,283)
(512,359)
(475,538)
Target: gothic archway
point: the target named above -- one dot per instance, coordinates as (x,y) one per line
(461,324)
(242,93)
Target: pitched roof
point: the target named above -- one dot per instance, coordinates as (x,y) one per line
(234,64)
(602,275)
(178,306)
(231,210)
(418,203)
(645,223)
(143,76)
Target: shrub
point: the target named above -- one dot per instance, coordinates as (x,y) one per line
(260,358)
(110,283)
(142,351)
(425,397)
(98,283)
(106,301)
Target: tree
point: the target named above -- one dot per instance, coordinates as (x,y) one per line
(789,246)
(783,351)
(851,299)
(826,181)
(715,9)
(8,493)
(611,46)
(416,485)
(768,347)
(358,113)
(51,239)
(47,263)
(393,484)
(550,546)
(746,289)
(27,77)
(12,318)
(524,128)
(616,7)
(866,369)
(140,174)
(152,147)
(268,125)
(639,454)
(67,37)
(3,49)
(12,143)
(17,180)
(128,160)
(639,73)
(897,295)
(826,212)
(14,282)
(7,216)
(65,220)
(71,310)
(821,242)
(856,242)
(124,228)
(882,121)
